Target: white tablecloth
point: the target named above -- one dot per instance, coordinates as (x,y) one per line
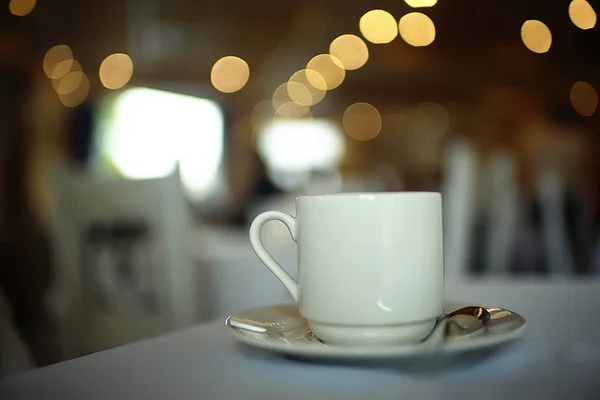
(204,362)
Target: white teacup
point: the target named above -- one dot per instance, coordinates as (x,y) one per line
(370,265)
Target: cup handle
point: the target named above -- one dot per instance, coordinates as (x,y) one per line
(259,248)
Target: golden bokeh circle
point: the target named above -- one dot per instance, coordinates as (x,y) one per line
(584,98)
(378,26)
(299,93)
(417,29)
(421,3)
(77,96)
(582,14)
(536,36)
(280,96)
(330,68)
(55,56)
(362,121)
(302,91)
(230,74)
(21,8)
(116,71)
(70,82)
(351,50)
(63,69)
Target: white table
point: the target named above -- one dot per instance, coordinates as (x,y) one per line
(204,362)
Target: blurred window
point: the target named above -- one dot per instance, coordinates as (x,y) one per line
(144,133)
(294,148)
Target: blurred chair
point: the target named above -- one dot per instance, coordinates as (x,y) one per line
(502,213)
(551,191)
(459,192)
(123,266)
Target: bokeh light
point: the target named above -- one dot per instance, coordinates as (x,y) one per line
(230,74)
(291,110)
(378,26)
(582,14)
(421,3)
(351,50)
(281,96)
(536,36)
(301,91)
(70,82)
(63,69)
(417,29)
(328,67)
(57,61)
(362,121)
(584,98)
(116,71)
(21,8)
(78,95)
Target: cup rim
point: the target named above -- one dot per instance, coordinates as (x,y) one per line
(367,195)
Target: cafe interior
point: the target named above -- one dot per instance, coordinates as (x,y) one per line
(139,139)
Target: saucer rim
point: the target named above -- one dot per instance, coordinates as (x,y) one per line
(380,352)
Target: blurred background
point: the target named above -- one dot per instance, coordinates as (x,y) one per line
(138,139)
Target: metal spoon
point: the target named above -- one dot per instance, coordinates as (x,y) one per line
(254,327)
(246,325)
(463,323)
(466,322)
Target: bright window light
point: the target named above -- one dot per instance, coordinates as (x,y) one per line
(298,145)
(149,130)
(295,148)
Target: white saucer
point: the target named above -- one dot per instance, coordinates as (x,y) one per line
(289,334)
